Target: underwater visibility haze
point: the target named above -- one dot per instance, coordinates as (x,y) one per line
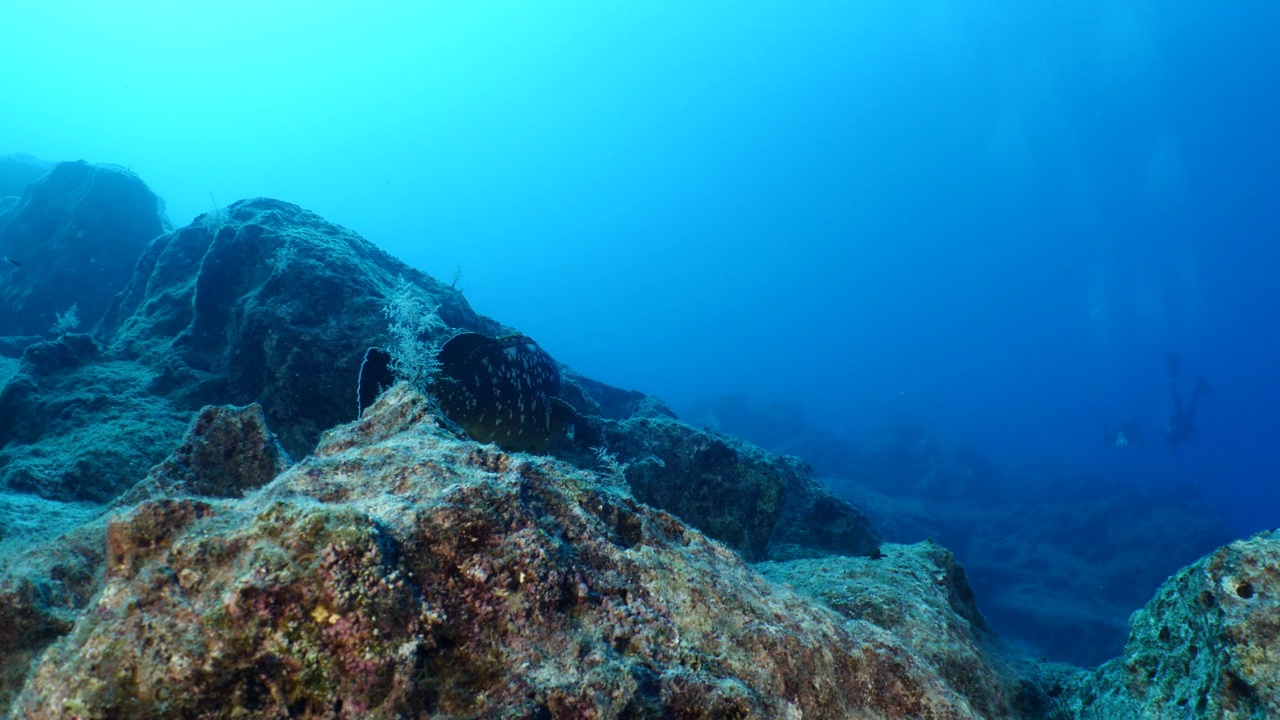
(1008,229)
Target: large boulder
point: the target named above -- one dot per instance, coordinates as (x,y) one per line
(268,308)
(266,302)
(261,303)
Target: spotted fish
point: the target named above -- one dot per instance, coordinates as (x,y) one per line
(503,390)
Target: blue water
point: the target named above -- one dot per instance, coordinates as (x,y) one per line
(995,216)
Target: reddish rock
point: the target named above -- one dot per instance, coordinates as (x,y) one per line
(228,451)
(400,572)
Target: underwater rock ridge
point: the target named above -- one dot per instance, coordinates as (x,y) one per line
(400,572)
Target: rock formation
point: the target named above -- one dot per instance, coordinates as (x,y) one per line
(400,571)
(160,556)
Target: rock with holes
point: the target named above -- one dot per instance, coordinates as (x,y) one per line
(1204,647)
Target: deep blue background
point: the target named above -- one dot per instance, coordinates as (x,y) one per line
(997,216)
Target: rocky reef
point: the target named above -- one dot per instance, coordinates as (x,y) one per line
(400,571)
(196,520)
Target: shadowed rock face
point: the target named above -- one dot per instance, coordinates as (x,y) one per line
(401,572)
(763,505)
(262,303)
(79,425)
(77,233)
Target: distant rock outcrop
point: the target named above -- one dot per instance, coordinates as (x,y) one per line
(1060,557)
(71,240)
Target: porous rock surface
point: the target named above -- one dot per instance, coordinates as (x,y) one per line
(1207,645)
(46,583)
(268,307)
(920,595)
(401,572)
(228,451)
